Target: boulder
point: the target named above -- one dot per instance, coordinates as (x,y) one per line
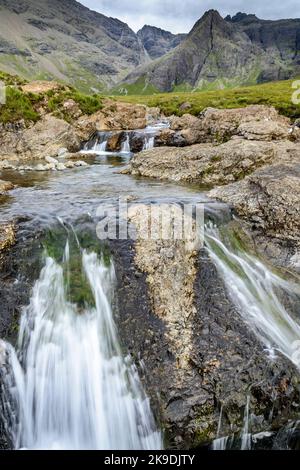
(5,186)
(43,139)
(177,316)
(269,200)
(219,125)
(114,116)
(205,164)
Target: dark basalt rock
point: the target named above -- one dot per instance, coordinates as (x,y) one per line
(227,362)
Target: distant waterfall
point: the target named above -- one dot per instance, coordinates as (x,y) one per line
(68,386)
(149,142)
(98,144)
(126,145)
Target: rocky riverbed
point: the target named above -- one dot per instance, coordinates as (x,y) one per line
(199,360)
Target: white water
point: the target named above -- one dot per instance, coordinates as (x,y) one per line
(70,387)
(126,145)
(254,289)
(149,142)
(100,147)
(246,436)
(220,443)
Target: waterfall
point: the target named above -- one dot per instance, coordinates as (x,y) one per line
(97,144)
(69,386)
(126,145)
(246,436)
(149,142)
(255,290)
(101,143)
(220,443)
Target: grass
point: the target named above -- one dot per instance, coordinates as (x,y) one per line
(24,106)
(18,106)
(277,94)
(88,104)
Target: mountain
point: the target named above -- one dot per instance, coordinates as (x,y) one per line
(158,42)
(226,52)
(280,40)
(64,40)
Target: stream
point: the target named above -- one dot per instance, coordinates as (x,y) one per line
(70,383)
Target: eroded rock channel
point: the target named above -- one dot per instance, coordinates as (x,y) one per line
(211,329)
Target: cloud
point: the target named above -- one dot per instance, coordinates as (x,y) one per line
(180,15)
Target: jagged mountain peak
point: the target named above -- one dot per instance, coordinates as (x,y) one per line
(242,17)
(211,18)
(220,52)
(157,41)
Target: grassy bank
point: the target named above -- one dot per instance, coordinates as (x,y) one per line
(277,94)
(27,106)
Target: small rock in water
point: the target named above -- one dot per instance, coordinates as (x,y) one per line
(51,166)
(40,167)
(51,160)
(60,167)
(69,164)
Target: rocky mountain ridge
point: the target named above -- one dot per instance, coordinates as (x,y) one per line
(65,40)
(219,52)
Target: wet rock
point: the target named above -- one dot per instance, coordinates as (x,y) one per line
(153,115)
(51,160)
(60,167)
(7,237)
(5,186)
(114,141)
(185,328)
(269,200)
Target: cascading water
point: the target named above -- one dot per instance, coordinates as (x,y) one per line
(220,443)
(255,290)
(97,145)
(69,386)
(246,436)
(149,142)
(126,145)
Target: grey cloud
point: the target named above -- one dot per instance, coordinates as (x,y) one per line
(180,15)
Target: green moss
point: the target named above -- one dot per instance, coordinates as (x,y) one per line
(216,158)
(18,106)
(77,287)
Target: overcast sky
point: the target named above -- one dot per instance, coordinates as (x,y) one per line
(180,15)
